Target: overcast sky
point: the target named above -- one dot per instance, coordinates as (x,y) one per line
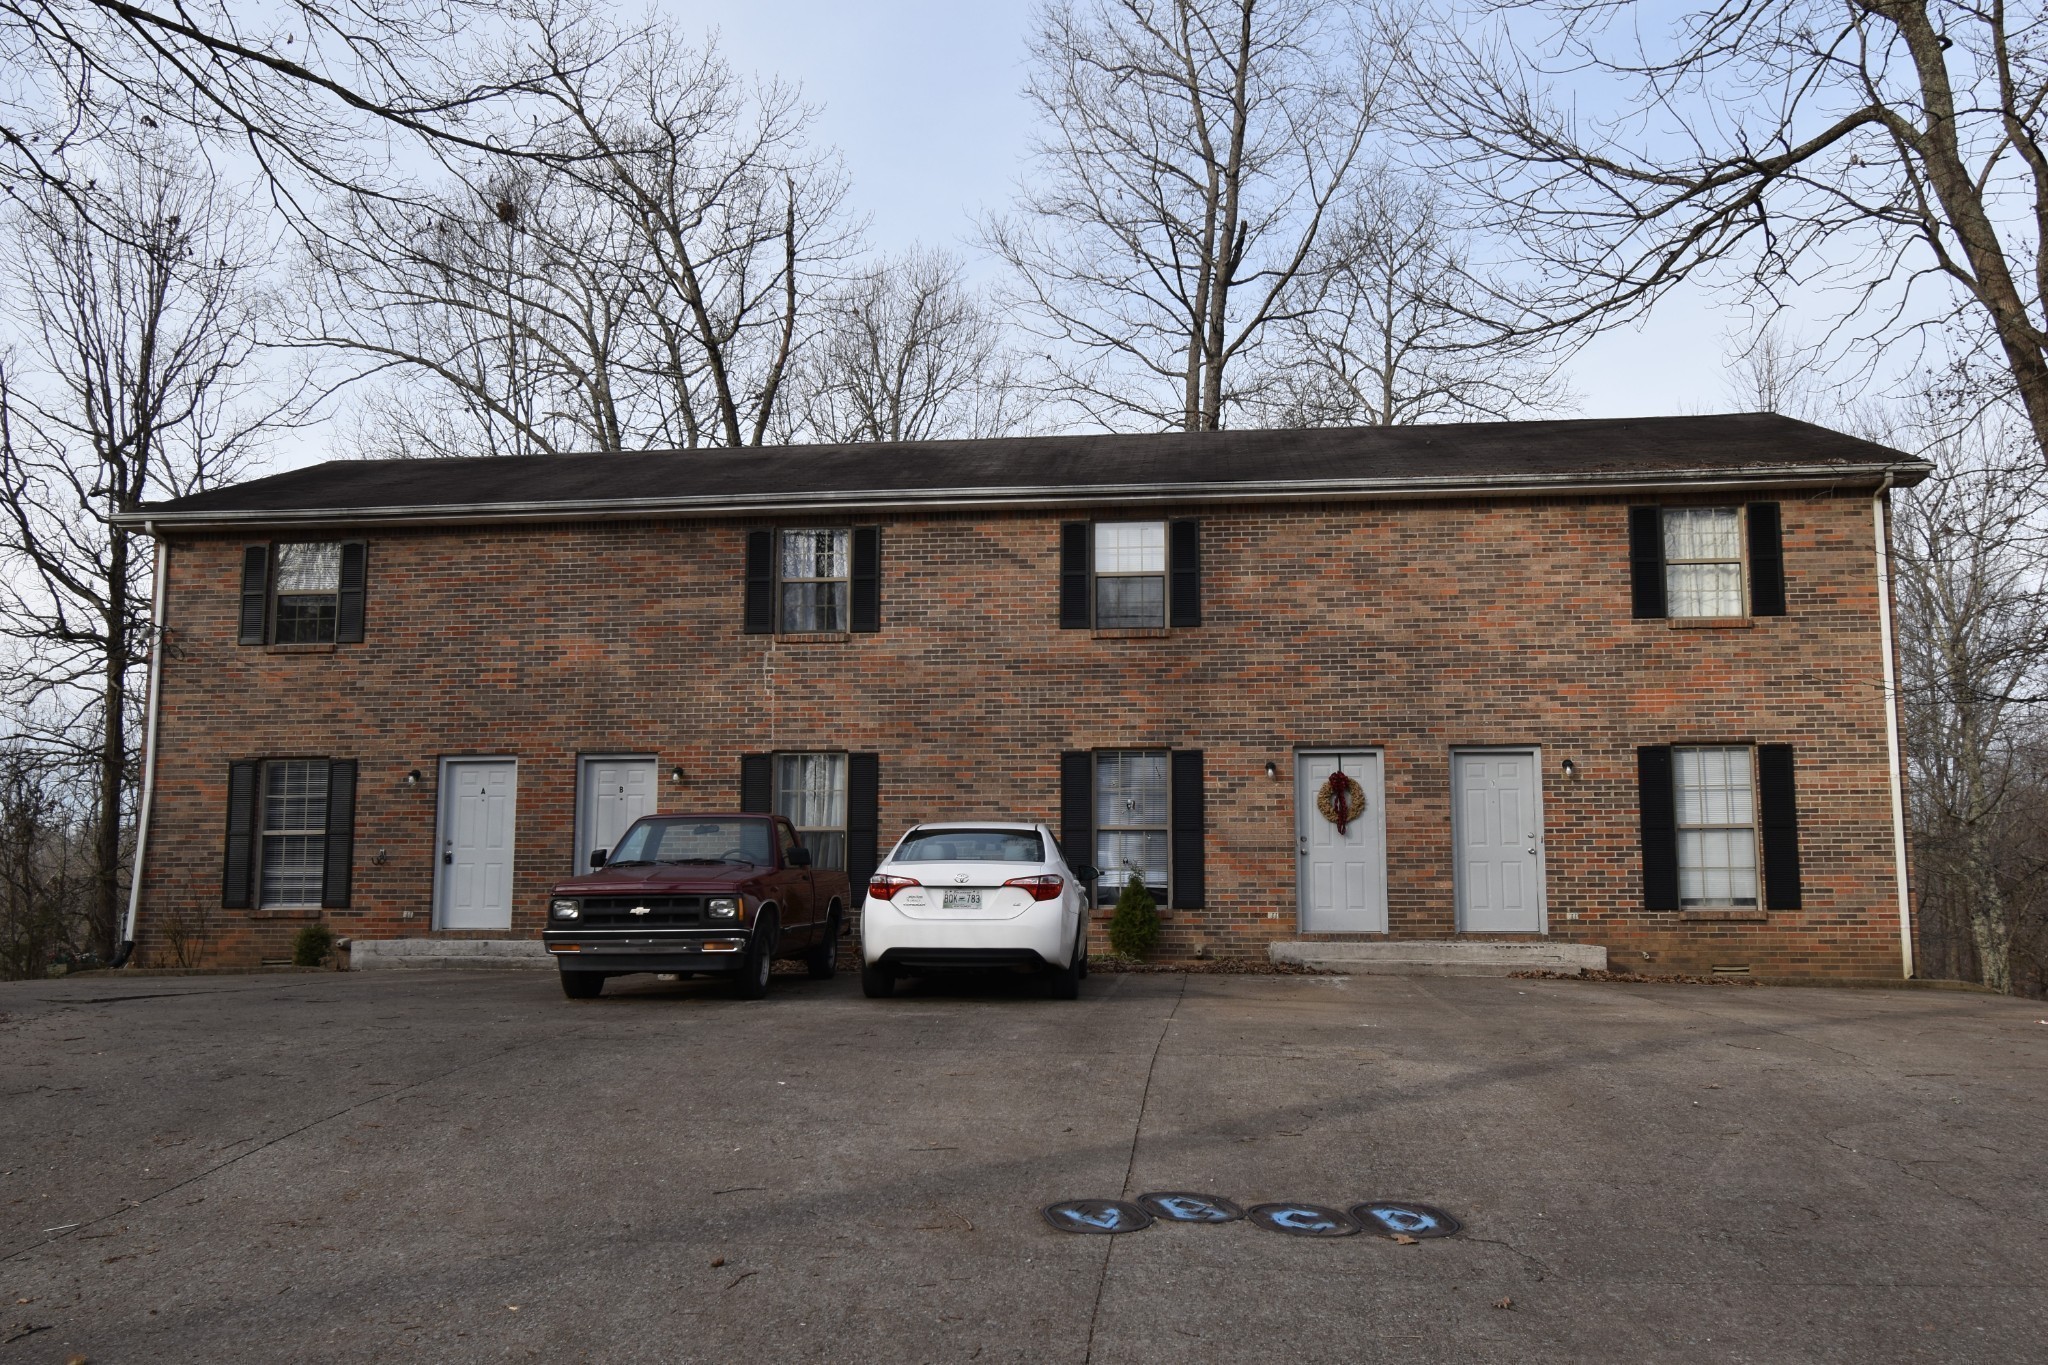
(922,99)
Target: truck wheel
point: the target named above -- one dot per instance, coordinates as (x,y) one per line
(582,985)
(754,972)
(876,981)
(823,959)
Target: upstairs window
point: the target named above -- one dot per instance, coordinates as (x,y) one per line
(1703,561)
(1706,563)
(1130,574)
(304,592)
(815,572)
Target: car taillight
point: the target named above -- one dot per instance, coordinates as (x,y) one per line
(1041,888)
(884,887)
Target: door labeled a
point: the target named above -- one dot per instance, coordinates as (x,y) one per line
(1497,831)
(1343,874)
(612,794)
(479,809)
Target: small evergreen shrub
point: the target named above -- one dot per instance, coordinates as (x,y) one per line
(312,946)
(1134,928)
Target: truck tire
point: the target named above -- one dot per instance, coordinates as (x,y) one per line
(876,981)
(582,985)
(823,959)
(760,963)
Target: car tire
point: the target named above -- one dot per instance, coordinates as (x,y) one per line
(1081,947)
(823,959)
(876,981)
(1066,981)
(760,963)
(582,985)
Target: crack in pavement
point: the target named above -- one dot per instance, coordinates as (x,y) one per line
(1131,1164)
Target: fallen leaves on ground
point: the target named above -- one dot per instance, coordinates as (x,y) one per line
(1503,1303)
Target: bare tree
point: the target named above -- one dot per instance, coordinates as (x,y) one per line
(1192,151)
(908,352)
(1972,587)
(649,285)
(1390,329)
(47,879)
(1888,148)
(140,318)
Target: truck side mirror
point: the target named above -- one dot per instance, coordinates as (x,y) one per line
(597,856)
(799,857)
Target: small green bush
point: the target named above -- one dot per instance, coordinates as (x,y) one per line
(312,946)
(1134,928)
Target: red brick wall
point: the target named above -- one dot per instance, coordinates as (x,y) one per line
(1411,627)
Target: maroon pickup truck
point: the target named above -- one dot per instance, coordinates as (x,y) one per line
(694,894)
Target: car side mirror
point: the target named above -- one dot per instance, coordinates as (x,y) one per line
(1087,872)
(597,856)
(799,857)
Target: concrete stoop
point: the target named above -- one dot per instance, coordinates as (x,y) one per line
(1440,957)
(388,954)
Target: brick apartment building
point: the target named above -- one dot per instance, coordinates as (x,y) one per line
(1608,682)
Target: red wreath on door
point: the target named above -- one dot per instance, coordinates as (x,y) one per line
(1341,800)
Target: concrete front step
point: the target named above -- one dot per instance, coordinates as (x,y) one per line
(388,954)
(1440,957)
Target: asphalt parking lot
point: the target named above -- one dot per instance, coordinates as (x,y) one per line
(466,1166)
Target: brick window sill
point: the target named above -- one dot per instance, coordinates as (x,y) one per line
(814,637)
(327,648)
(1711,623)
(307,912)
(1133,633)
(1725,916)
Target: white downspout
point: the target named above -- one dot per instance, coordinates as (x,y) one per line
(1891,721)
(156,667)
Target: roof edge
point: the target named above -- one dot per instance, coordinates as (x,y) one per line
(1898,473)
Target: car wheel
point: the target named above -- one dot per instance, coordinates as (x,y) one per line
(760,963)
(1081,946)
(823,959)
(1066,981)
(876,981)
(582,985)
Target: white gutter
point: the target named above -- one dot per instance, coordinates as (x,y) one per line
(1026,497)
(156,665)
(1891,722)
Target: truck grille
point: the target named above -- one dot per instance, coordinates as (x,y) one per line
(663,912)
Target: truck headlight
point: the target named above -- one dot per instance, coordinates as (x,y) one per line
(723,907)
(564,910)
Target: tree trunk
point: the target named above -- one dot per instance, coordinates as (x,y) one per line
(113,755)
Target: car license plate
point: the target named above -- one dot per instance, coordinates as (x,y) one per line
(963,900)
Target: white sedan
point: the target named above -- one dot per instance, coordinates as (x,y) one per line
(981,894)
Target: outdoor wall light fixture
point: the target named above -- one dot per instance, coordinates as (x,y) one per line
(412,779)
(1571,769)
(1272,769)
(675,774)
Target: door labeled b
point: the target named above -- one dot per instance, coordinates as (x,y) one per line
(479,811)
(1497,833)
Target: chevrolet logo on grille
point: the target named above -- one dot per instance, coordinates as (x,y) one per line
(640,910)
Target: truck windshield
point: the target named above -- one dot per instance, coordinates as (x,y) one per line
(971,846)
(688,841)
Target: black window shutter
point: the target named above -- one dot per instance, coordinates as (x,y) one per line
(1077,806)
(757,784)
(867,578)
(1658,800)
(1077,547)
(348,622)
(1190,831)
(341,833)
(1646,561)
(1766,561)
(863,822)
(238,875)
(1779,806)
(760,609)
(255,594)
(1184,564)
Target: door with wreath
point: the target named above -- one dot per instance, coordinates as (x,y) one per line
(1341,841)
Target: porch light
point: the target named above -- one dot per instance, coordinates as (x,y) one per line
(1272,770)
(675,774)
(1571,769)
(412,779)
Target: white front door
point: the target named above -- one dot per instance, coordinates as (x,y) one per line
(479,800)
(1343,877)
(611,794)
(1497,830)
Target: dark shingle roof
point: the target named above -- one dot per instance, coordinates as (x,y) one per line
(1736,450)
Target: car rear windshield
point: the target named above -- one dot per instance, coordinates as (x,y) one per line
(971,846)
(680,841)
